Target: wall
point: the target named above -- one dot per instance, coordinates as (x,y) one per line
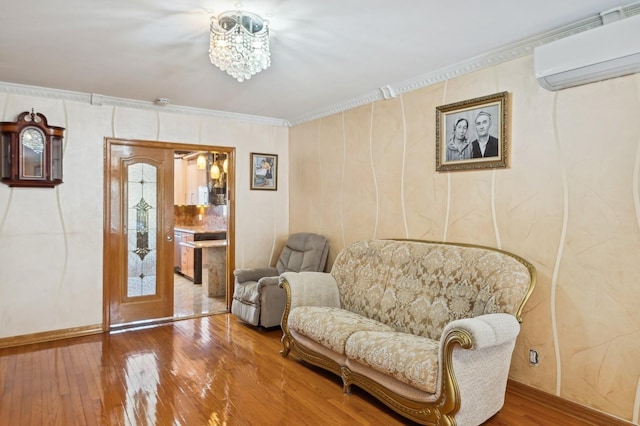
(51,239)
(569,203)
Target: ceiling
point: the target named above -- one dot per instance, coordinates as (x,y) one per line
(325,54)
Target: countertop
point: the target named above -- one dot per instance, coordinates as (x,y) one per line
(205,244)
(199,230)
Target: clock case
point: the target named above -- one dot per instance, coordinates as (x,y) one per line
(25,162)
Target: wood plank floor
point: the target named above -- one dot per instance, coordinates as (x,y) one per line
(211,370)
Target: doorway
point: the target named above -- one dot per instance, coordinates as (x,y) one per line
(139,246)
(201,213)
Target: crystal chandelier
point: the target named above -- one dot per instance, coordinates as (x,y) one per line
(240,44)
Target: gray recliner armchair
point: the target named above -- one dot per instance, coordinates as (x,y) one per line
(257,299)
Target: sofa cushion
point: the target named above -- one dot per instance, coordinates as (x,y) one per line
(331,327)
(408,358)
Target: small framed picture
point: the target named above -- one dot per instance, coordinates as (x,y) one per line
(473,134)
(264,171)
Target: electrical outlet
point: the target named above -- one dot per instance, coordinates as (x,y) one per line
(533,357)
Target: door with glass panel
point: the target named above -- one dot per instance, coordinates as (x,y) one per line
(138,261)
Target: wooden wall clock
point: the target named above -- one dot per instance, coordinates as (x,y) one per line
(31,152)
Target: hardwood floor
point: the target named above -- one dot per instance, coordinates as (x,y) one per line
(212,370)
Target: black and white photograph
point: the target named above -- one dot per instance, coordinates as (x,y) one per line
(472,134)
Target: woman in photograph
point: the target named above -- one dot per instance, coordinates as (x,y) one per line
(268,175)
(458,146)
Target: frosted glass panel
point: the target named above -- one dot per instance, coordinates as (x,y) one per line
(141,228)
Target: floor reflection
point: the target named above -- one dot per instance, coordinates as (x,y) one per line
(212,370)
(141,381)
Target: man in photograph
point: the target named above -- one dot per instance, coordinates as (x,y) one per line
(485,145)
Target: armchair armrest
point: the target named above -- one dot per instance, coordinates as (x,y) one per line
(254,274)
(310,289)
(267,282)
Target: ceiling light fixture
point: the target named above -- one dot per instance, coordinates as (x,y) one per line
(201,162)
(239,44)
(214,172)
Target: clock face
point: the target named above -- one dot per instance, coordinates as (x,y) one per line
(33,139)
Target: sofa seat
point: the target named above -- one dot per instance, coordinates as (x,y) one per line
(311,321)
(406,357)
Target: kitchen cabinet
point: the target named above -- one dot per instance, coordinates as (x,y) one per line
(187,260)
(195,179)
(188,253)
(188,182)
(177,250)
(179,188)
(194,186)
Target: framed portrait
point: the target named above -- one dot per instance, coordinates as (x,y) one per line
(473,134)
(264,171)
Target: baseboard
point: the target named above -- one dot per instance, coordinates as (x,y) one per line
(588,415)
(47,336)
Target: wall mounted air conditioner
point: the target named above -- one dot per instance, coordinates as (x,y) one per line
(612,50)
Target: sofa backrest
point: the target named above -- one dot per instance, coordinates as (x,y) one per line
(419,286)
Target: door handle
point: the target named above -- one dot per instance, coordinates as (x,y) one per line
(169,238)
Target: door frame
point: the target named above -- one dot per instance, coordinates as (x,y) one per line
(107,263)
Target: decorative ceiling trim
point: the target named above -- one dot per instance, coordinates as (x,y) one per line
(100,100)
(495,57)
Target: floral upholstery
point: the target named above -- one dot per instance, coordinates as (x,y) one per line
(419,288)
(405,357)
(311,321)
(426,327)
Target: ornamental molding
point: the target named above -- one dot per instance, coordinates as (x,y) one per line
(101,101)
(495,57)
(513,51)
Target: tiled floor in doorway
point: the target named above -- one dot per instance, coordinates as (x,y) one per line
(189,299)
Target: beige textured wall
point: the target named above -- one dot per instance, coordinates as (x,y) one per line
(51,239)
(569,203)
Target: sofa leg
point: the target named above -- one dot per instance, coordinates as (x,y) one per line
(346,384)
(346,388)
(286,346)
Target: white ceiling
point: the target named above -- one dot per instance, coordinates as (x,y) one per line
(325,53)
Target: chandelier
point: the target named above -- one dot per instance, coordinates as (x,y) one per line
(239,44)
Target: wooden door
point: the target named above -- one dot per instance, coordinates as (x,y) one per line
(138,255)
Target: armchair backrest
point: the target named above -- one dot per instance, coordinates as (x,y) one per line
(304,252)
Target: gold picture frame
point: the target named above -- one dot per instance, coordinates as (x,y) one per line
(264,171)
(484,144)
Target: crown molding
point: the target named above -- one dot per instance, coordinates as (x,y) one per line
(513,51)
(100,100)
(495,57)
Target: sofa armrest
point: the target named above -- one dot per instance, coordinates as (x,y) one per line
(310,289)
(254,274)
(485,330)
(475,356)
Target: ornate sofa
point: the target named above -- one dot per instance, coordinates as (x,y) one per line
(426,327)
